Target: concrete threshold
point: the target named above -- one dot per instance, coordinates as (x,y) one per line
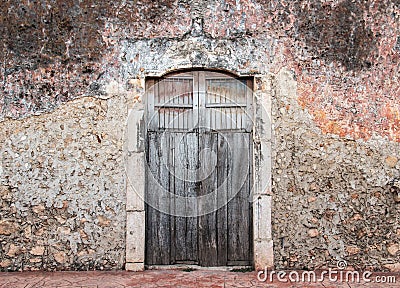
(193,267)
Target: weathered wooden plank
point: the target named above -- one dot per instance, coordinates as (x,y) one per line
(249,102)
(171,99)
(192,148)
(188,99)
(214,113)
(185,228)
(160,90)
(176,106)
(189,113)
(202,97)
(173,186)
(151,214)
(236,99)
(151,113)
(225,105)
(222,189)
(158,238)
(208,255)
(249,195)
(239,231)
(180,92)
(165,198)
(243,104)
(208,112)
(218,119)
(195,115)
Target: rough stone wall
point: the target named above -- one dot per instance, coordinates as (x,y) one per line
(334,198)
(63,188)
(336,119)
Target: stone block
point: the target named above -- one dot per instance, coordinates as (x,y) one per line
(135,131)
(263,254)
(135,183)
(262,217)
(135,234)
(134,267)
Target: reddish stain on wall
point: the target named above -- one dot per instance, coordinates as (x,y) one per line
(360,99)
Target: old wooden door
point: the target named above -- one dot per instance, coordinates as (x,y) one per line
(199,171)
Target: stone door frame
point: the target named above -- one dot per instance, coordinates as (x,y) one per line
(135,172)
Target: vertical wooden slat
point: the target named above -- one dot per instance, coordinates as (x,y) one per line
(207,223)
(185,102)
(149,215)
(249,196)
(185,159)
(161,92)
(158,235)
(179,190)
(238,208)
(202,97)
(249,105)
(195,118)
(166,101)
(218,110)
(150,105)
(173,186)
(222,213)
(243,97)
(182,93)
(223,113)
(246,111)
(192,148)
(171,99)
(176,90)
(185,99)
(164,150)
(231,97)
(173,96)
(236,100)
(189,117)
(216,91)
(226,111)
(208,115)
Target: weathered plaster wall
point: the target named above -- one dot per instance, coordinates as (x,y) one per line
(336,118)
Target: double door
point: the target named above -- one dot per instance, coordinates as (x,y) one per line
(199,171)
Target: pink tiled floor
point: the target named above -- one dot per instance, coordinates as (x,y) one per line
(160,278)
